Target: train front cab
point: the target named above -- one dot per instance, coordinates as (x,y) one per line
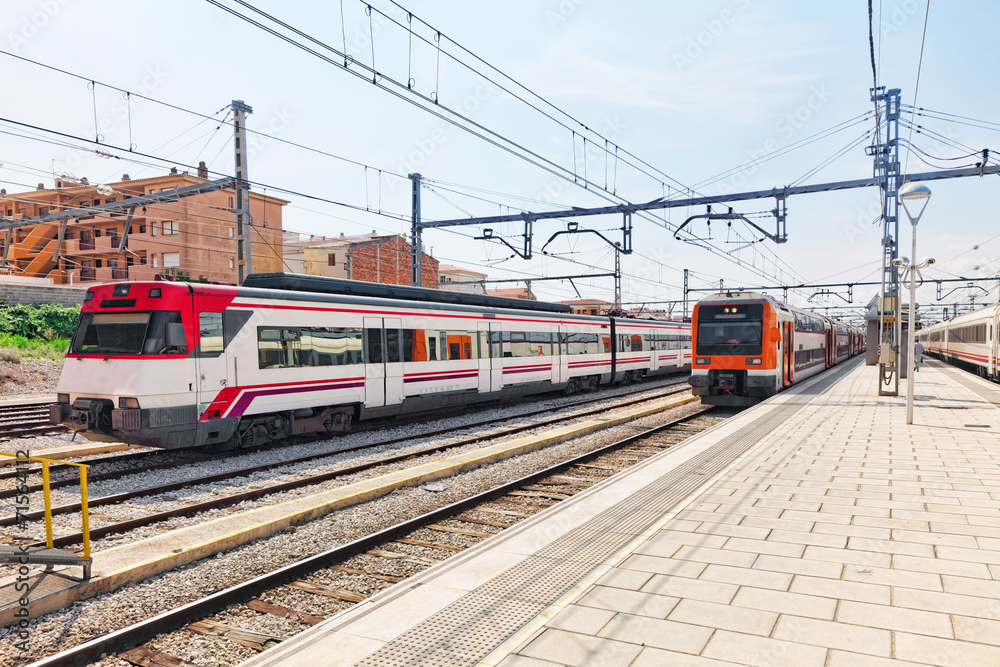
(739,352)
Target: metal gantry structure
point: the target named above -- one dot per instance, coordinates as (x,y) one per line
(887,176)
(887,170)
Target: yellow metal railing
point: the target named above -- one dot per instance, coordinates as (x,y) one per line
(47,492)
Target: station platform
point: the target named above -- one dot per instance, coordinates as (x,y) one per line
(816,528)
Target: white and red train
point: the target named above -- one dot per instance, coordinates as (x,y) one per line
(173,365)
(749,346)
(968,341)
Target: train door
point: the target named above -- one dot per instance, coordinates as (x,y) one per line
(490,363)
(383,361)
(213,371)
(560,360)
(788,353)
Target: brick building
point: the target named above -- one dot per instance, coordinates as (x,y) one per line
(514,293)
(369,257)
(195,236)
(456,279)
(588,306)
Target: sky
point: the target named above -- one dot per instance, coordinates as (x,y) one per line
(570,103)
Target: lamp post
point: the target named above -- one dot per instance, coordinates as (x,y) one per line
(912,192)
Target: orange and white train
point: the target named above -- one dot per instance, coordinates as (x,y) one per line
(749,346)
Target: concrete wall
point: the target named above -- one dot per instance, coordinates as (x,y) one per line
(34,295)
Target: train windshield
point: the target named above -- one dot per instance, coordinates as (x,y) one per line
(737,329)
(122,333)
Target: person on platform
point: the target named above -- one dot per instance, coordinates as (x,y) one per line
(918,355)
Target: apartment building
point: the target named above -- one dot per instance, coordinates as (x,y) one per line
(370,257)
(194,236)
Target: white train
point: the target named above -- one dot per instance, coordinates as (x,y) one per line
(969,341)
(174,365)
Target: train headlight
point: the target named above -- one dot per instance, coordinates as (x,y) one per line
(754,361)
(704,361)
(124,402)
(62,398)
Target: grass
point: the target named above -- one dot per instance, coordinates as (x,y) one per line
(14,348)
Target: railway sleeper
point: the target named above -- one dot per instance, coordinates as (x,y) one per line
(328,591)
(147,656)
(254,640)
(283,612)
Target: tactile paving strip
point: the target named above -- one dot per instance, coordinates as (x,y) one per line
(467,630)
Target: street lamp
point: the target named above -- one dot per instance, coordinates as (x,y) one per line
(912,192)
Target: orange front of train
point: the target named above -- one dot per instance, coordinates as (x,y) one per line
(737,346)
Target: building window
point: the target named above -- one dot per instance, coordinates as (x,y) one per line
(232,232)
(152,229)
(171,260)
(230,202)
(142,260)
(156,262)
(331,259)
(170,227)
(232,263)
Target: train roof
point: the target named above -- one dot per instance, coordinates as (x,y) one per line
(323,285)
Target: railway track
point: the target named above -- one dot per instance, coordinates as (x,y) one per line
(97,474)
(19,421)
(303,481)
(367,565)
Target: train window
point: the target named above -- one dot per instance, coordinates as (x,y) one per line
(582,343)
(459,344)
(539,344)
(110,333)
(210,329)
(443,345)
(156,332)
(496,345)
(331,346)
(392,345)
(278,348)
(373,346)
(720,332)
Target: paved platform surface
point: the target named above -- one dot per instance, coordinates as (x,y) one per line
(814,529)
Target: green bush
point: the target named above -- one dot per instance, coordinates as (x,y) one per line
(13,347)
(46,321)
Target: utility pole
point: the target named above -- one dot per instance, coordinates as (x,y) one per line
(685,315)
(618,279)
(417,263)
(244,222)
(887,171)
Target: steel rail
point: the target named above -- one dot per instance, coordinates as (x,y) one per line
(225,501)
(168,621)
